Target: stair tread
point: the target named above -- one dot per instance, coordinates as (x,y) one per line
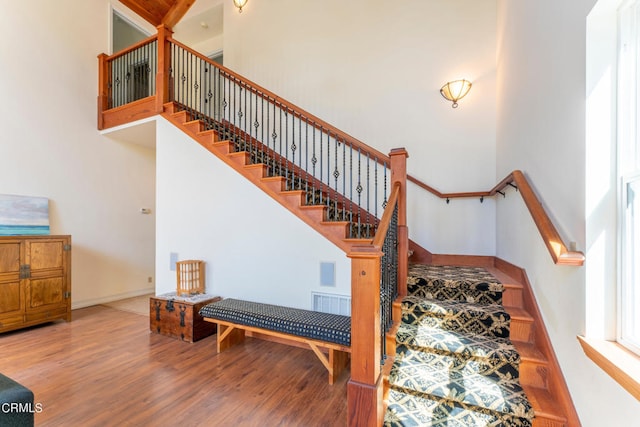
(529,351)
(491,320)
(447,282)
(355,240)
(504,278)
(444,307)
(408,410)
(445,378)
(464,345)
(455,276)
(519,313)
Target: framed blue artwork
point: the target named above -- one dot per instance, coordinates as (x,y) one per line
(23,215)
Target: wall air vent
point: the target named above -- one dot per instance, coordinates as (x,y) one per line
(331,303)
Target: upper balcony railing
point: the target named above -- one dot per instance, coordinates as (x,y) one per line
(335,168)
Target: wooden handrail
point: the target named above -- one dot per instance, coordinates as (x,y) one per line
(292,108)
(556,246)
(385,221)
(131,48)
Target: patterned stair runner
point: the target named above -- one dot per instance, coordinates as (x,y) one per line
(454,363)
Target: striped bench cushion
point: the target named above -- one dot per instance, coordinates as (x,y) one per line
(326,327)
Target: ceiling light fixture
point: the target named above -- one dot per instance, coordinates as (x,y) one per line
(240,4)
(455,90)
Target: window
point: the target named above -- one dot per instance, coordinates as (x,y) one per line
(629,176)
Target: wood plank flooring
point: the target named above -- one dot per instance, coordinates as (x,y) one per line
(106,369)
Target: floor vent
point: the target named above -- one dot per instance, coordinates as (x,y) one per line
(331,303)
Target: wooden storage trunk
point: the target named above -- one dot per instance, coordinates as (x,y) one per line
(178,317)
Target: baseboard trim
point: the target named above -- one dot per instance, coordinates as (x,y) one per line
(110,298)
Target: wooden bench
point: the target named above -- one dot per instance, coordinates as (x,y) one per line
(319,331)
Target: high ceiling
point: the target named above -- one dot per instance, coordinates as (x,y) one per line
(157,12)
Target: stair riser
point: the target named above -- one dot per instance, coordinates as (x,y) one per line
(507,420)
(257,172)
(533,374)
(240,159)
(445,378)
(452,294)
(482,367)
(275,185)
(314,212)
(194,127)
(292,200)
(207,138)
(390,341)
(426,412)
(468,326)
(512,297)
(223,147)
(180,117)
(521,330)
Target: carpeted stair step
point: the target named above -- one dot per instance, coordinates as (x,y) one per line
(409,410)
(452,382)
(445,282)
(468,318)
(490,354)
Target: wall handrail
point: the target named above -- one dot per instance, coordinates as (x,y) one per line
(560,254)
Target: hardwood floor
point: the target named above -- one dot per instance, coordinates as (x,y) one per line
(106,369)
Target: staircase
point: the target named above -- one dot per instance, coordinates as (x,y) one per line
(470,348)
(302,194)
(461,358)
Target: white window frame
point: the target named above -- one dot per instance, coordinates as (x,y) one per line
(628,329)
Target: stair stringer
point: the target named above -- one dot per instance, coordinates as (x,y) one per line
(556,384)
(540,372)
(313,215)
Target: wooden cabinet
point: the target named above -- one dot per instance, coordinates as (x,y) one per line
(35,280)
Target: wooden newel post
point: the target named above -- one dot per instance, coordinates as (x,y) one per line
(164,62)
(399,175)
(364,390)
(103,90)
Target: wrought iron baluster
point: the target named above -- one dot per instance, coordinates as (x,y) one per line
(274,135)
(344,190)
(375,189)
(280,141)
(351,187)
(286,147)
(321,168)
(359,190)
(367,219)
(300,152)
(336,175)
(306,157)
(314,160)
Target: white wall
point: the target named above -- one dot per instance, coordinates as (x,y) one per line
(51,146)
(541,130)
(374,69)
(253,248)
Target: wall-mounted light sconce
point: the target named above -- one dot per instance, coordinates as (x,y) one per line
(240,4)
(455,90)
